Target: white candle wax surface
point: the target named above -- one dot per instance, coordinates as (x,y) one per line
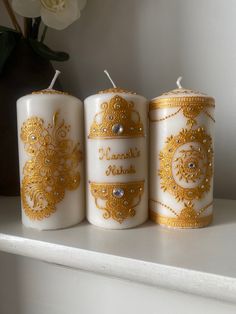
(116,152)
(50,139)
(181,158)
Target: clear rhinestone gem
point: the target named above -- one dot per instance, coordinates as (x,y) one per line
(118,192)
(117,128)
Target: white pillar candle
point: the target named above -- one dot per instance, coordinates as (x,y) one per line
(50,139)
(181,158)
(116,154)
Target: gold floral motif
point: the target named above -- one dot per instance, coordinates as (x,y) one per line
(117,119)
(118,200)
(187,218)
(52,169)
(190,106)
(188,156)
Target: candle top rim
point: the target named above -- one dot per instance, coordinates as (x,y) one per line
(182,93)
(116,90)
(47,93)
(50,91)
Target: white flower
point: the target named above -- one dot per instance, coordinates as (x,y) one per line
(57,14)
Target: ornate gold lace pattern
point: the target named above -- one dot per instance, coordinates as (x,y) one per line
(117,119)
(52,167)
(117,200)
(187,157)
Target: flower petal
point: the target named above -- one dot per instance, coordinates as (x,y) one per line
(61,19)
(27,8)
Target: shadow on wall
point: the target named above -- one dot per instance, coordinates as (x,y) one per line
(133,39)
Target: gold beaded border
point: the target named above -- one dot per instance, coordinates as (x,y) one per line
(180,223)
(116,90)
(173,102)
(50,92)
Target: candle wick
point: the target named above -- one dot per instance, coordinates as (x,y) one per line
(110,79)
(57,73)
(178,82)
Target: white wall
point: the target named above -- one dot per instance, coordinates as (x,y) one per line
(146,44)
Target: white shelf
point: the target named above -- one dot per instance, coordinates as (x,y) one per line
(201,262)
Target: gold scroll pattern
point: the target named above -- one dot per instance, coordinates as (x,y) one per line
(117,119)
(117,200)
(52,168)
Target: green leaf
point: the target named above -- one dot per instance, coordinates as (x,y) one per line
(7,44)
(45,52)
(7,29)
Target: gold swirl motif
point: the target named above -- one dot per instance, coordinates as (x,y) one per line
(52,169)
(188,217)
(190,164)
(188,156)
(118,200)
(117,119)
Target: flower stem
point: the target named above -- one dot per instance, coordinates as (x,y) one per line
(12,16)
(35,28)
(44,34)
(27,27)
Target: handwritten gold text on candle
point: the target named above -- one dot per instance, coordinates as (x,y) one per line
(107,154)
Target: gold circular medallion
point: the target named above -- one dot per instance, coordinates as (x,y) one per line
(186,164)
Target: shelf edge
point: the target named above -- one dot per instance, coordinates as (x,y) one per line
(168,277)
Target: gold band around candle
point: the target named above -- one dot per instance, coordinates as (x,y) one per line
(187,218)
(172,102)
(181,223)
